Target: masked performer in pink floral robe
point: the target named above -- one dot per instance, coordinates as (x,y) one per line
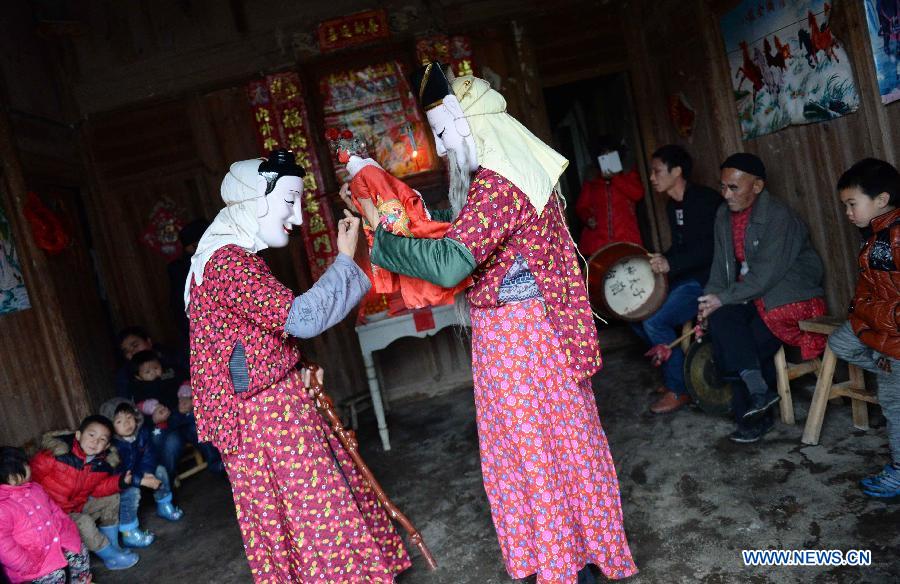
(304,512)
(547,468)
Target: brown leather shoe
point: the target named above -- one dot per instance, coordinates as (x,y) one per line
(661,390)
(670,402)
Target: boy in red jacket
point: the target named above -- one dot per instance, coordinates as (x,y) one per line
(870,191)
(74,470)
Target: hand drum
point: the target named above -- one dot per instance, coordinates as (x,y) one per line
(621,284)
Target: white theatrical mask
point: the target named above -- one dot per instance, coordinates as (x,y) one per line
(279,211)
(452,132)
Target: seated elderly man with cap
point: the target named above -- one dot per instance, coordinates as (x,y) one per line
(765,278)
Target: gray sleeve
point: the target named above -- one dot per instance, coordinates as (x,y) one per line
(330,299)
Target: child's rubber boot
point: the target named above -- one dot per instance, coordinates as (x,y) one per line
(884,485)
(167,510)
(135,537)
(115,558)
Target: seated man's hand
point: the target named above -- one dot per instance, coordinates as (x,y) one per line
(659,264)
(150,481)
(707,305)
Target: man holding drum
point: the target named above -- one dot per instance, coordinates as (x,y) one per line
(765,278)
(691,210)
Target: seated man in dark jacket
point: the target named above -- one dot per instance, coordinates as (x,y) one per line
(691,211)
(765,278)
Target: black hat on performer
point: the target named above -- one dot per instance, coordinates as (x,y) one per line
(430,85)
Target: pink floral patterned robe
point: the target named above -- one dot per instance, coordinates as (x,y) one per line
(304,512)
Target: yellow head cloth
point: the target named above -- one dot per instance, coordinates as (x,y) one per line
(506,146)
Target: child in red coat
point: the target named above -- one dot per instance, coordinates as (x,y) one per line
(38,542)
(74,470)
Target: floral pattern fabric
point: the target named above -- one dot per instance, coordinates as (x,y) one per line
(497,223)
(548,471)
(304,512)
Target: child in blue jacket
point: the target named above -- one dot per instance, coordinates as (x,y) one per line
(133,442)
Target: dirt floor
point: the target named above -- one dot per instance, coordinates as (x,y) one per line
(692,499)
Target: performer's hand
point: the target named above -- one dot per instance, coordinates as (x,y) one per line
(370,212)
(305,377)
(344,193)
(658,263)
(707,305)
(348,233)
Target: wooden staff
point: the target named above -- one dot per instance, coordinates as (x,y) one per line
(347,438)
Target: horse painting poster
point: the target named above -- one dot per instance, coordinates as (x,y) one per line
(13,295)
(883,18)
(786,65)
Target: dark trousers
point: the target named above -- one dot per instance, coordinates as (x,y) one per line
(741,341)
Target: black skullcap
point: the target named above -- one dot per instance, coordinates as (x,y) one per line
(746,162)
(192,232)
(430,84)
(282,162)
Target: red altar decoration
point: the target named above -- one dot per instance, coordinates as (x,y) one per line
(282,122)
(376,104)
(455,51)
(355,29)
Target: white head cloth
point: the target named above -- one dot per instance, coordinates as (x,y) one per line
(236,224)
(506,146)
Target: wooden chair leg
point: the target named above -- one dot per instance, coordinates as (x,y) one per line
(859,408)
(816,415)
(784,388)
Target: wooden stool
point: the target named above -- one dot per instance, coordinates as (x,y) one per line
(785,373)
(190,455)
(826,389)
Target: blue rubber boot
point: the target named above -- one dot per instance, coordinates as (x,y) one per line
(167,510)
(884,485)
(114,558)
(134,537)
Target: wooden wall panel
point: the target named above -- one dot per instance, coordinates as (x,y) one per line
(680,48)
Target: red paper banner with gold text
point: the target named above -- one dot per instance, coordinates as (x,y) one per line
(279,113)
(354,29)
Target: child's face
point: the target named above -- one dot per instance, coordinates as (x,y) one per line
(94,439)
(125,424)
(861,208)
(150,371)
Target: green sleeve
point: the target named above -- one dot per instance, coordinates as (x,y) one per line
(444,262)
(442,215)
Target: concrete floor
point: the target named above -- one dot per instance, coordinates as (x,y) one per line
(692,499)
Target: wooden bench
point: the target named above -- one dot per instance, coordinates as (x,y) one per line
(826,389)
(191,456)
(786,372)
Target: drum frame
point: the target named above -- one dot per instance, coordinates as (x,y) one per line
(608,256)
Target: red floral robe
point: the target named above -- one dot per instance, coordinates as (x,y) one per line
(304,512)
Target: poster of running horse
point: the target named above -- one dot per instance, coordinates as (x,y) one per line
(883,19)
(787,67)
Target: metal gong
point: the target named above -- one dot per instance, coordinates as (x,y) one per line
(703,383)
